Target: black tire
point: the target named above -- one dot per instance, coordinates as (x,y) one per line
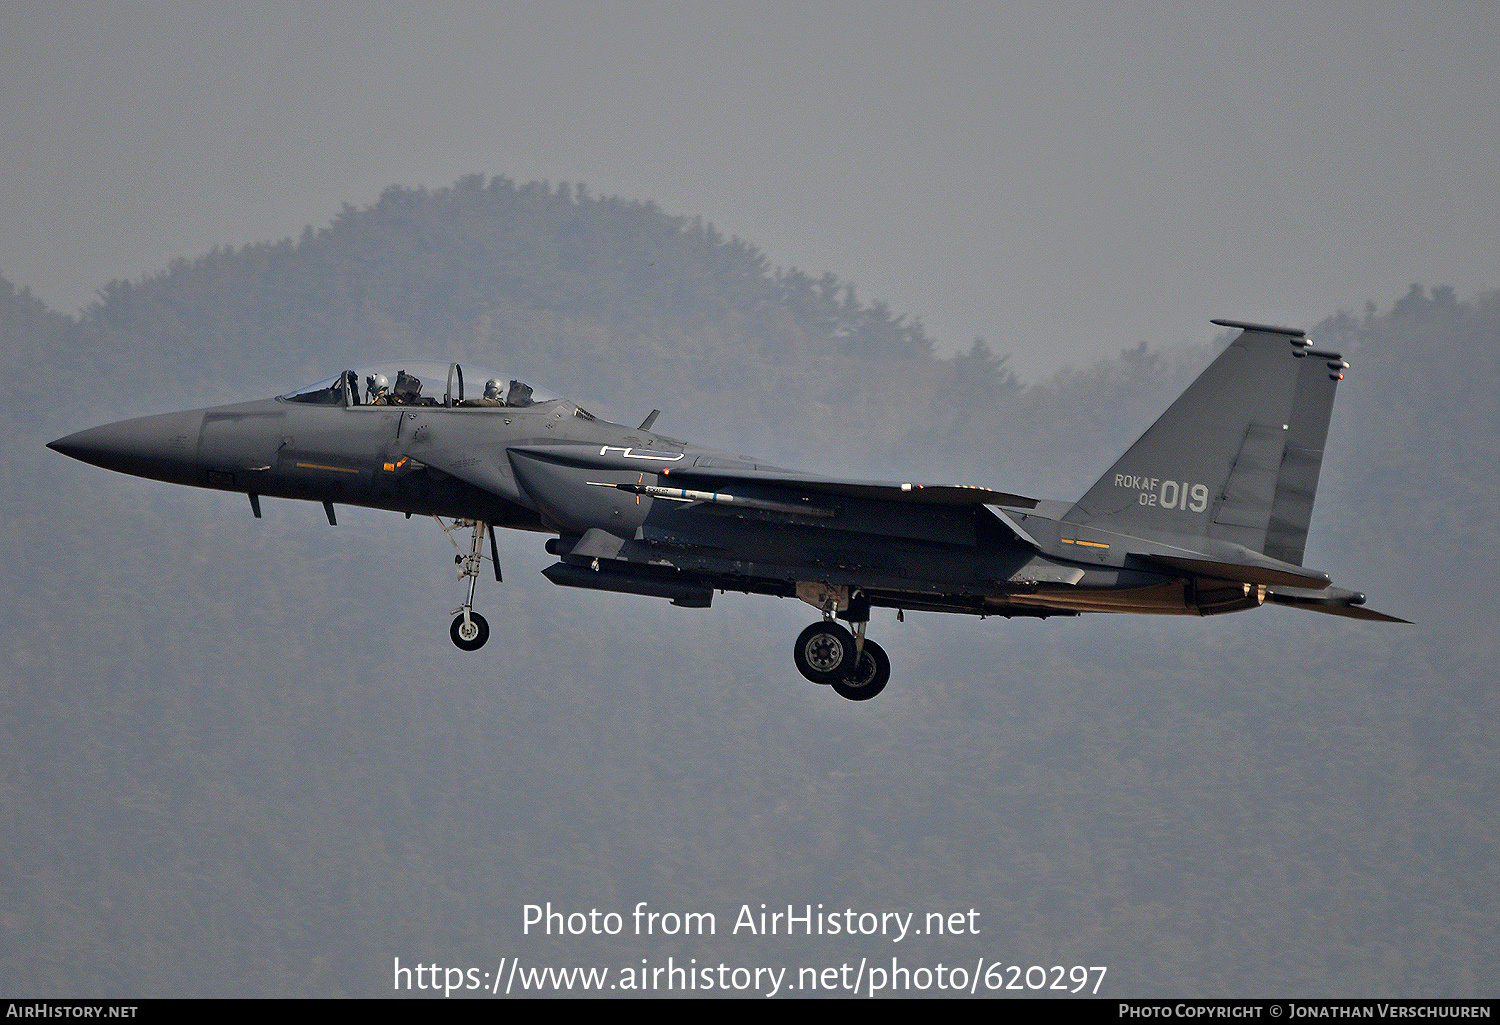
(869,677)
(824,652)
(469,640)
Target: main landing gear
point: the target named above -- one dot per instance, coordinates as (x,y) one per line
(470,630)
(827,653)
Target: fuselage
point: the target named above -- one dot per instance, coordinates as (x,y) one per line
(552,467)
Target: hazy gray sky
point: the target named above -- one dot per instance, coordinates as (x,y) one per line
(1061,179)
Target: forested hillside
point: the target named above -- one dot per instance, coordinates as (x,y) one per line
(241,756)
(496,267)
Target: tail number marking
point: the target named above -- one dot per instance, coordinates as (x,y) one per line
(1165,494)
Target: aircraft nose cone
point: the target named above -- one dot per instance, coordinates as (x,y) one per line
(163,447)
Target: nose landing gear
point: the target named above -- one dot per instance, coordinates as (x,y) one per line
(470,630)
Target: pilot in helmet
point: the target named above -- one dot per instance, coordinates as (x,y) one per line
(493,392)
(379,389)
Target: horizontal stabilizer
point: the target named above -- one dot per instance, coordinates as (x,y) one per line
(1261,571)
(1335,601)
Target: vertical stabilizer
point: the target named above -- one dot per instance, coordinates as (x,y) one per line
(1235,458)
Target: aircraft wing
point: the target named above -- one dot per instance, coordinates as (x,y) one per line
(722,478)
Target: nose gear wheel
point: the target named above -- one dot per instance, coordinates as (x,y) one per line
(469,632)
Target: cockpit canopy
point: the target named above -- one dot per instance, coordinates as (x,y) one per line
(421,383)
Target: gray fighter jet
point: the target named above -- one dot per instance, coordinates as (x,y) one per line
(1207,513)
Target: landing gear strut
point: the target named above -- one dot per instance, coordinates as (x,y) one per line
(869,677)
(470,630)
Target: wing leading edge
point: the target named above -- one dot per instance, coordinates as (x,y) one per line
(886,491)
